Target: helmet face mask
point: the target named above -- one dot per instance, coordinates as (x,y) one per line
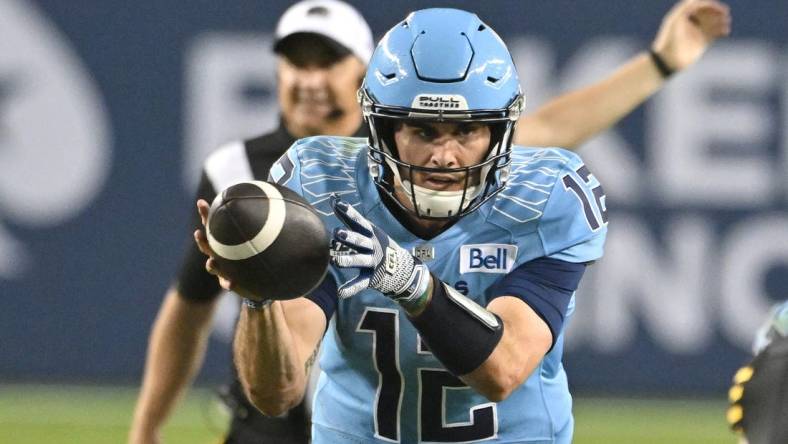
(481,181)
(439,66)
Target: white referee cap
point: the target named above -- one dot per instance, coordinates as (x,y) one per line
(339,22)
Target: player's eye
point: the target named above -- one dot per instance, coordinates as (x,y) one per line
(426,133)
(466,129)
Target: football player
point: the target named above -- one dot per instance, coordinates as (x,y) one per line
(316,56)
(456,257)
(759,396)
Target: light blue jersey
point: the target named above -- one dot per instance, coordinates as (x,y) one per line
(379,382)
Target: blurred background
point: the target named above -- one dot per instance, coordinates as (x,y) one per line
(108,108)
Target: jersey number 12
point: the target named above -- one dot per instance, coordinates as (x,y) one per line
(599,197)
(383,324)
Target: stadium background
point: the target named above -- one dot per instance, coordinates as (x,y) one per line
(108,108)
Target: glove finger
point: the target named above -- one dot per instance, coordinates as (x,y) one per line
(383,239)
(353,240)
(353,286)
(359,219)
(354,260)
(350,217)
(339,249)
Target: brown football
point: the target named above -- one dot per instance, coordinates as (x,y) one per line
(268,240)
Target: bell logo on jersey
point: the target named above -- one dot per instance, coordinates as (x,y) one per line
(487,258)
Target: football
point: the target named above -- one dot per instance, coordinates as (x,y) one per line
(268,240)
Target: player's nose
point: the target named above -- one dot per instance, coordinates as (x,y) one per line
(445,153)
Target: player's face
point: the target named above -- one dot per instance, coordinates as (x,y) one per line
(442,145)
(317,98)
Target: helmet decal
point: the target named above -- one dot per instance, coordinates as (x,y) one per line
(440,101)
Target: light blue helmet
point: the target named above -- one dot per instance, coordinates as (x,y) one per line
(441,65)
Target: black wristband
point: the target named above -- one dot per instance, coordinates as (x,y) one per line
(664,70)
(459,332)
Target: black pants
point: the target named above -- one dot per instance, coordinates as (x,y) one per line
(249,426)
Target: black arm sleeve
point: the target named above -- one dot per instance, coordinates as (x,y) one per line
(193,282)
(325,296)
(546,285)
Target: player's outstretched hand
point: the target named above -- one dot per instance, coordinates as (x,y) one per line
(211,264)
(382,263)
(688,29)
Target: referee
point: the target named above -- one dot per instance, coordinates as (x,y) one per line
(323,46)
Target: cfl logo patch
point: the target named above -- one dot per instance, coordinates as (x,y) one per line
(487,258)
(391,260)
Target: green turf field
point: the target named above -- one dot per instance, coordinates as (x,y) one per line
(87,415)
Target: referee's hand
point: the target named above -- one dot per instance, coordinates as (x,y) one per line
(688,29)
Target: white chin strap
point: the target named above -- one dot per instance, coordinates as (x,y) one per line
(434,203)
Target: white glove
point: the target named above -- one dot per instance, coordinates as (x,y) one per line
(382,264)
